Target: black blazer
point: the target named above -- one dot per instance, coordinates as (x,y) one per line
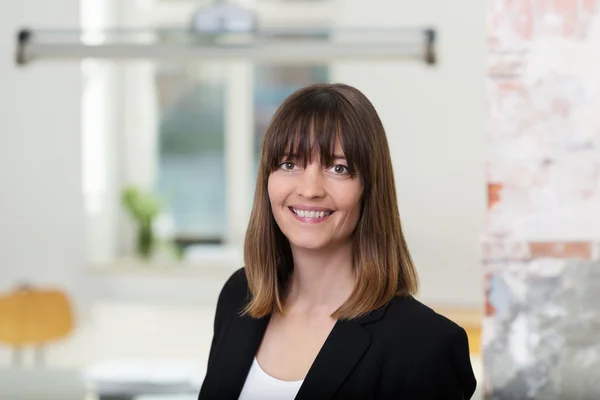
(403,350)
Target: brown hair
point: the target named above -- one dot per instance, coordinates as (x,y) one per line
(309,121)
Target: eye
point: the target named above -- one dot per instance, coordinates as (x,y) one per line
(287,166)
(340,169)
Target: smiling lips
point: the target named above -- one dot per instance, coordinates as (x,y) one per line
(311,214)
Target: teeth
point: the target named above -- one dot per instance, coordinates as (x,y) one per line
(311,214)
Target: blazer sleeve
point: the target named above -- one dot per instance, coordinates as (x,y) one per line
(216,329)
(226,308)
(444,373)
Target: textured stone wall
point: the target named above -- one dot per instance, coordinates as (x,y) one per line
(541,333)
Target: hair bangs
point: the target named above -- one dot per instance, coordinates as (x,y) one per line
(313,131)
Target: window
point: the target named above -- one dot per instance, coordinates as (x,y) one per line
(191,147)
(191,131)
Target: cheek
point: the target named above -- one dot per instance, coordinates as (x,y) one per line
(354,215)
(350,200)
(276,191)
(356,209)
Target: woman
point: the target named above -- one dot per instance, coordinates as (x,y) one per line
(324,306)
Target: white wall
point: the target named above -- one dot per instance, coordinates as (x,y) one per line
(41,224)
(40,210)
(434,119)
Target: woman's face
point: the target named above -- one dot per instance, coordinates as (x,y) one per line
(317,206)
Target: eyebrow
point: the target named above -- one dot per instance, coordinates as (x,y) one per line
(338,157)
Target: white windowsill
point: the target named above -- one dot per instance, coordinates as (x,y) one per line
(196,280)
(216,262)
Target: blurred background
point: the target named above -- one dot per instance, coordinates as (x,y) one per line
(128,160)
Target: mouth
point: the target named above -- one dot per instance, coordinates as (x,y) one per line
(317,215)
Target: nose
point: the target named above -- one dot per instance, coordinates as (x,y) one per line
(310,184)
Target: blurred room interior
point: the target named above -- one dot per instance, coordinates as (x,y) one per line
(129,139)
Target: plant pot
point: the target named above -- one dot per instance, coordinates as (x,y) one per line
(145,241)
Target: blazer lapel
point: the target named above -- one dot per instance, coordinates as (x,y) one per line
(243,339)
(342,350)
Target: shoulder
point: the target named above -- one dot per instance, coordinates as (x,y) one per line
(429,345)
(414,327)
(236,284)
(423,322)
(232,300)
(235,292)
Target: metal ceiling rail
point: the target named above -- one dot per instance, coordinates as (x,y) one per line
(287,47)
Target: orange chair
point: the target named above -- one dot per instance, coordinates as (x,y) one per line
(33,317)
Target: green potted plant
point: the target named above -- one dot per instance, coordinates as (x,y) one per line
(143,207)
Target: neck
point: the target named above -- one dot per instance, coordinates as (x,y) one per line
(322,279)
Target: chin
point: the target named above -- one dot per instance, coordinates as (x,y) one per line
(311,243)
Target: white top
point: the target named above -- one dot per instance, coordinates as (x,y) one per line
(261,386)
